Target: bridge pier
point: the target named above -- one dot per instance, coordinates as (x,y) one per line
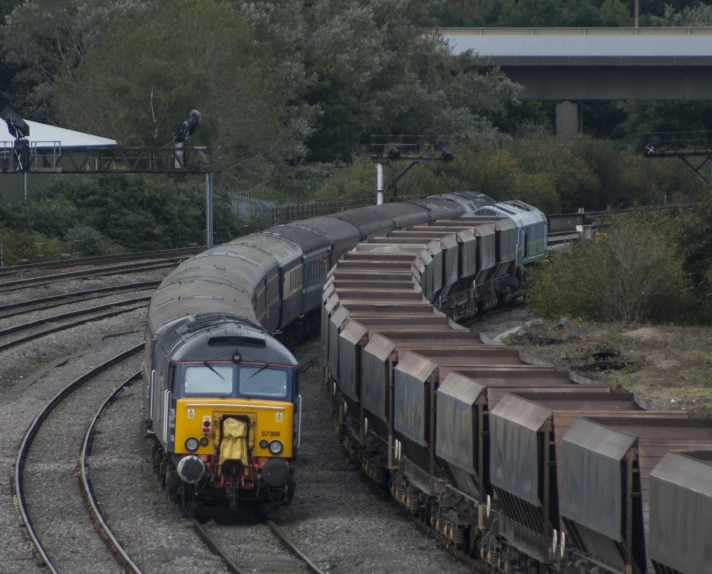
(569,120)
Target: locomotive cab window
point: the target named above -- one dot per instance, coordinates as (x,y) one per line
(212,380)
(263,382)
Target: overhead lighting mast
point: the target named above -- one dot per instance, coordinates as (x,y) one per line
(386,150)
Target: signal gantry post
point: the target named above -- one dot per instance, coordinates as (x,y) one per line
(386,150)
(50,157)
(683,145)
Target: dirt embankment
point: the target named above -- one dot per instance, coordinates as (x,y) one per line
(671,365)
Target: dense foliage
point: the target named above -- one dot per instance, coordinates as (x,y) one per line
(644,266)
(561,13)
(131,213)
(540,170)
(293,91)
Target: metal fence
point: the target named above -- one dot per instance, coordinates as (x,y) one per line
(259,212)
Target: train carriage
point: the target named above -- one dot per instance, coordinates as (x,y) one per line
(369,223)
(342,236)
(291,273)
(316,254)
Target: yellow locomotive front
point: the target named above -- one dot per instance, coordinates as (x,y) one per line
(228,428)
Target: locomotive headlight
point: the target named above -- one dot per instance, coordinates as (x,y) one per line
(192,444)
(275,447)
(264,443)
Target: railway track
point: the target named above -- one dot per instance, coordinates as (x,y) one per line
(43,303)
(32,282)
(96,313)
(97,518)
(49,489)
(49,497)
(260,557)
(99,260)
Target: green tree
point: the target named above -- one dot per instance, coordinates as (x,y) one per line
(376,67)
(631,273)
(138,213)
(144,76)
(45,39)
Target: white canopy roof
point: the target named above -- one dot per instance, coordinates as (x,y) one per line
(43,135)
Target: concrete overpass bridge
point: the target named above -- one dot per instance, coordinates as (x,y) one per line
(576,64)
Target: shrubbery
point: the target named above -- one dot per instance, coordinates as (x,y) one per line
(635,270)
(109,214)
(538,169)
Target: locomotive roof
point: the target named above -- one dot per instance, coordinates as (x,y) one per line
(217,336)
(365,220)
(402,213)
(439,208)
(177,308)
(307,239)
(334,229)
(283,250)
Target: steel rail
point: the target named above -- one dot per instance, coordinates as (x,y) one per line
(109,274)
(289,545)
(215,548)
(87,272)
(140,286)
(32,432)
(139,301)
(70,314)
(100,259)
(100,524)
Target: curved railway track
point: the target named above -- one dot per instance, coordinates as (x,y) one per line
(97,518)
(32,282)
(99,260)
(303,563)
(63,473)
(43,303)
(98,313)
(73,489)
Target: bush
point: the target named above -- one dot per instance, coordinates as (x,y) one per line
(21,244)
(86,241)
(538,169)
(632,272)
(137,213)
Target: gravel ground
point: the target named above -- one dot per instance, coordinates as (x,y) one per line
(50,323)
(336,517)
(18,407)
(18,362)
(500,320)
(150,527)
(255,548)
(79,284)
(52,308)
(52,491)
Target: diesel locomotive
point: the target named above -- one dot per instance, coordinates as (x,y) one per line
(222,394)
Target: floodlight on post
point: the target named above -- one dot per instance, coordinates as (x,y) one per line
(181,132)
(414,149)
(379,184)
(20,130)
